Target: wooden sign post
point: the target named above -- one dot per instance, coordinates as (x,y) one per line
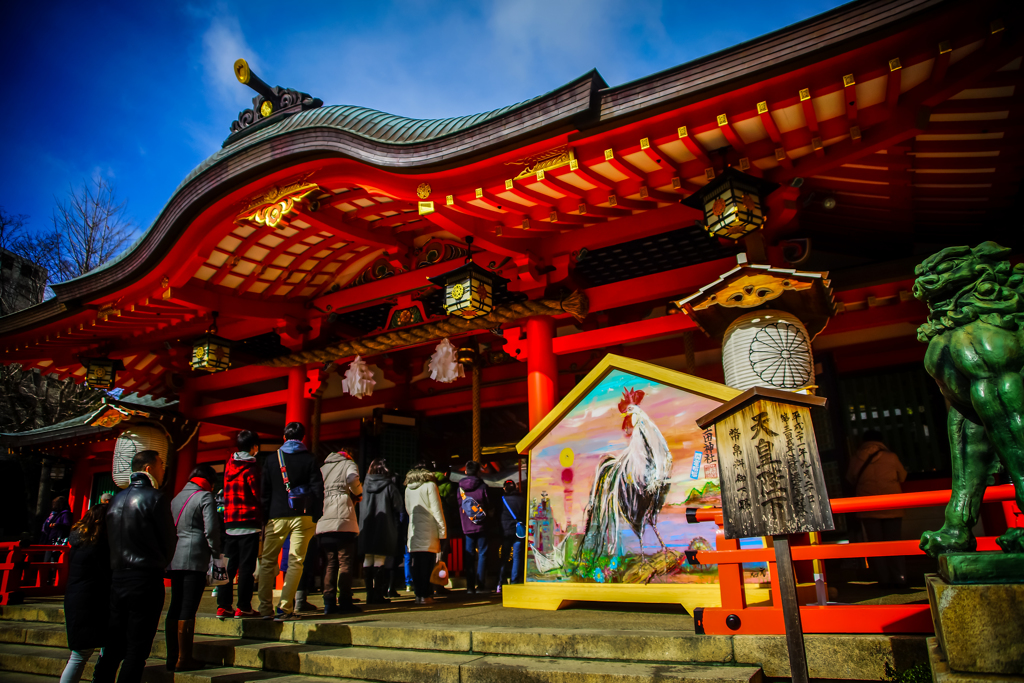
(772,485)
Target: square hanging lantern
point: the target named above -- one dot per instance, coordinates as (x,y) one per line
(101,373)
(469,289)
(210,352)
(733,203)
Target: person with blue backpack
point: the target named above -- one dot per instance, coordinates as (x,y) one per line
(513,534)
(292,499)
(473,512)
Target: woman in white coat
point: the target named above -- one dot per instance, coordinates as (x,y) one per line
(426,527)
(338,529)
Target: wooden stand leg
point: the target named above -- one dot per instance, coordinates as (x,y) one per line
(790,610)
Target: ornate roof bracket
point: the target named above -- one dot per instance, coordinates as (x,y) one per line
(269,105)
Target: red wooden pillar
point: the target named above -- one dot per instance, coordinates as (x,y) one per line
(81,488)
(299,408)
(186,456)
(541,367)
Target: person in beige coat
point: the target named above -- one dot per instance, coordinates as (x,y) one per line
(426,527)
(338,530)
(875,471)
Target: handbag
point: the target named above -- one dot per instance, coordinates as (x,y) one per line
(439,574)
(297,496)
(520,527)
(217,572)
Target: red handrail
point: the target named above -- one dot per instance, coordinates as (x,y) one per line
(735,616)
(893,501)
(21,576)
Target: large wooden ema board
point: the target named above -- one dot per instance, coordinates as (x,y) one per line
(613,468)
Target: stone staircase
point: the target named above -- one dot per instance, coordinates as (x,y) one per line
(362,649)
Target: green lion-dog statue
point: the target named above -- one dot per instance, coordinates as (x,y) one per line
(976,355)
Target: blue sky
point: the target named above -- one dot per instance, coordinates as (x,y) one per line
(141,92)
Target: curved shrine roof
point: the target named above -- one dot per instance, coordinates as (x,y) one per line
(633,155)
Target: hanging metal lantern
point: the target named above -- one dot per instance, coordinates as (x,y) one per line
(101,373)
(467,356)
(469,289)
(210,352)
(733,203)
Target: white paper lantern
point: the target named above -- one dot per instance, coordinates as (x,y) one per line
(137,437)
(358,379)
(444,365)
(767,348)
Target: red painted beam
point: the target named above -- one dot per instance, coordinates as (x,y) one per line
(239,405)
(236,378)
(623,334)
(672,283)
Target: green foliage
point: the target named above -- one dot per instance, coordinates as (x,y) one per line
(919,673)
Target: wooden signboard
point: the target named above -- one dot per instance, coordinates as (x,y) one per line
(772,485)
(769,467)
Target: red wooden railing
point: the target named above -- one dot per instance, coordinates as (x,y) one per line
(25,573)
(735,617)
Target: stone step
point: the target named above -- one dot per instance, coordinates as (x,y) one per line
(36,664)
(38,660)
(16,677)
(413,666)
(833,656)
(639,646)
(234,661)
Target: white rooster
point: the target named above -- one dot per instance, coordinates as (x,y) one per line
(629,488)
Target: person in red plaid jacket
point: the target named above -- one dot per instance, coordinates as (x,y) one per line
(242,524)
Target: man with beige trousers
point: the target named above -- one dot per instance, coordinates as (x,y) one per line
(292,496)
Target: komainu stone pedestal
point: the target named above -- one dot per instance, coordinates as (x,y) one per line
(979,630)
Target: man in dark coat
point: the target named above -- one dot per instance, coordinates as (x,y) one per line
(142,537)
(288,517)
(473,496)
(512,513)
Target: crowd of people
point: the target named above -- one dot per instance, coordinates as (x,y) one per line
(124,548)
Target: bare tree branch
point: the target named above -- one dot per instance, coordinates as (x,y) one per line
(91,228)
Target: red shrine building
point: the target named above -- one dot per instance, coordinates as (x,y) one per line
(806,171)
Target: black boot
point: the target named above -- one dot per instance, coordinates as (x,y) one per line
(380,585)
(171,636)
(329,606)
(373,586)
(389,583)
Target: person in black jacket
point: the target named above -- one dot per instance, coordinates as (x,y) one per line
(511,552)
(379,511)
(141,534)
(87,596)
(289,515)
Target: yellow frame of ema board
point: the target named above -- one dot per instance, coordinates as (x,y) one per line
(551,596)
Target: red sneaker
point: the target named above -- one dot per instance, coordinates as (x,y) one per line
(251,614)
(224,613)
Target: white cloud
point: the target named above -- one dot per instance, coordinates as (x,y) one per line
(224,42)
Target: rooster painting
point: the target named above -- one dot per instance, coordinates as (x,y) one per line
(629,490)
